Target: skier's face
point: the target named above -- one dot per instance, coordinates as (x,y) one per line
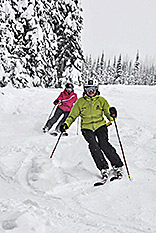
(68,90)
(91,91)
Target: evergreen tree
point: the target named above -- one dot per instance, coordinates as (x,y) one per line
(3,60)
(90,64)
(125,74)
(137,63)
(152,76)
(83,72)
(154,80)
(114,63)
(102,70)
(94,68)
(109,79)
(144,76)
(135,72)
(67,23)
(113,68)
(97,69)
(27,47)
(118,75)
(42,41)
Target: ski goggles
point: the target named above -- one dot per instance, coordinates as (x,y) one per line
(69,89)
(90,89)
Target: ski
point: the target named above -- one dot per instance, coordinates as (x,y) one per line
(56,134)
(115,178)
(102,182)
(65,134)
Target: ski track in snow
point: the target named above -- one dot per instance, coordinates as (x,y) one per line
(39,194)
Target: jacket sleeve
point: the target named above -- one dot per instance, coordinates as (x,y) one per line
(106,107)
(75,112)
(75,99)
(60,97)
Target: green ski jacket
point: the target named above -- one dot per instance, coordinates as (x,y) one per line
(91,110)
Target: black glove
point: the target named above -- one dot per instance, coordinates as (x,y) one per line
(63,127)
(55,102)
(113,112)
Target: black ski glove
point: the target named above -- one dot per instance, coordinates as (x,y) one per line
(63,127)
(55,102)
(113,112)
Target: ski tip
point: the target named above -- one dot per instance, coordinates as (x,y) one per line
(54,134)
(99,183)
(65,134)
(115,178)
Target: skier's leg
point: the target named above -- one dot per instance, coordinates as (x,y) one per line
(54,119)
(62,120)
(107,148)
(95,150)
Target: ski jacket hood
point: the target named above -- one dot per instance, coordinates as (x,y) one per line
(66,100)
(91,110)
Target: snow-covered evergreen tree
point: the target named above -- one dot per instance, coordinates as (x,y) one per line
(4,35)
(152,76)
(41,39)
(135,71)
(129,74)
(94,70)
(98,70)
(26,42)
(125,74)
(113,69)
(109,78)
(117,78)
(90,64)
(154,79)
(2,47)
(102,70)
(67,23)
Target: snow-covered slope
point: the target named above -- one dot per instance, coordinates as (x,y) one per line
(43,195)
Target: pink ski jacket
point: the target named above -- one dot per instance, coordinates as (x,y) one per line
(66,100)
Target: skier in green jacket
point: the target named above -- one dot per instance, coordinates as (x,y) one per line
(92,107)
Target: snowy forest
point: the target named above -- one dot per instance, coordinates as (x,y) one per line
(40,41)
(41,46)
(120,71)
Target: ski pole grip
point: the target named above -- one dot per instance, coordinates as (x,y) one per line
(109,123)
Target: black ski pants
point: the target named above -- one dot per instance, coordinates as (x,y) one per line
(101,148)
(55,118)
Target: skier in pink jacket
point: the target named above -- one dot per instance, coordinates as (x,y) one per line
(64,104)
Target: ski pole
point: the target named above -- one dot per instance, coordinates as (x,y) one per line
(77,125)
(55,145)
(50,115)
(121,148)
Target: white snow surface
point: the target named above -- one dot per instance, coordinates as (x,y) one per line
(43,195)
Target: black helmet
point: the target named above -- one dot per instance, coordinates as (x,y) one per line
(69,87)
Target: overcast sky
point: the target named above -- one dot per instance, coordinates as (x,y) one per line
(119,26)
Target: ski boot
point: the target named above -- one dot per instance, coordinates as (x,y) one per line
(104,173)
(118,172)
(45,129)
